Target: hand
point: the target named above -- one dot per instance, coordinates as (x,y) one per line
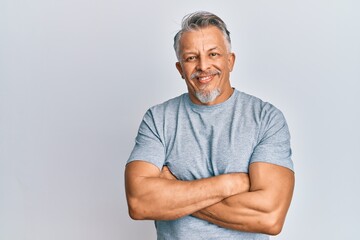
(167,174)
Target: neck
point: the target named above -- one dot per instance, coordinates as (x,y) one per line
(223,96)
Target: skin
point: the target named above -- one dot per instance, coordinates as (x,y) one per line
(205,50)
(262,209)
(157,195)
(257,202)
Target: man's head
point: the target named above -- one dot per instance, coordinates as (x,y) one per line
(197,20)
(203,48)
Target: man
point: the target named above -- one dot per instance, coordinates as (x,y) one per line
(213,163)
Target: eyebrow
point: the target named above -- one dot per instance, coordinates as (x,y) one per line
(189,52)
(211,49)
(194,52)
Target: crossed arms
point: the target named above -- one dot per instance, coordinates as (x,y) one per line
(257,202)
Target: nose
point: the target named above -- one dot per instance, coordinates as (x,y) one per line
(203,64)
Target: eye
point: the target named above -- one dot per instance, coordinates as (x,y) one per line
(191,59)
(214,54)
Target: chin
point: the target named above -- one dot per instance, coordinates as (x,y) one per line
(207,96)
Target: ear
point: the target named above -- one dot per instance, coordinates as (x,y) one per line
(179,68)
(231,61)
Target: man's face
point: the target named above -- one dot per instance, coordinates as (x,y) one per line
(205,64)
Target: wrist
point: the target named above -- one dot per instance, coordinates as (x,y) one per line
(236,183)
(229,185)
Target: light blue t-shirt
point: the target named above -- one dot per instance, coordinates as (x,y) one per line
(197,141)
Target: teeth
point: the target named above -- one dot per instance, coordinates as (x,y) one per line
(204,78)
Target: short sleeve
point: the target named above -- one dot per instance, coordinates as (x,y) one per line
(274,139)
(149,146)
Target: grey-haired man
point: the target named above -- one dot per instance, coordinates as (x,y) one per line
(213,163)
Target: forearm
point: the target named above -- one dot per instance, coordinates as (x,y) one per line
(262,209)
(249,212)
(163,199)
(158,198)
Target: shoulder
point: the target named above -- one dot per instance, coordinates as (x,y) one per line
(257,107)
(173,102)
(166,108)
(269,119)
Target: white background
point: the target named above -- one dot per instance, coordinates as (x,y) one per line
(77,76)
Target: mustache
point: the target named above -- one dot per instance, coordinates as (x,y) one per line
(204,73)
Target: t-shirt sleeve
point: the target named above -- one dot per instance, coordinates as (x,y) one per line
(149,146)
(274,139)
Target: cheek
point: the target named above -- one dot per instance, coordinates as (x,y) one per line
(189,72)
(227,67)
(190,69)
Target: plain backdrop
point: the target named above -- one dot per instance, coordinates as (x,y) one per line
(77,76)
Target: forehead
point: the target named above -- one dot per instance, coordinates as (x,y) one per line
(202,39)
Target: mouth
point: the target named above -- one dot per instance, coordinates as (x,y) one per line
(205,79)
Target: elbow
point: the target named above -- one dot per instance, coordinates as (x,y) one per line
(266,223)
(135,215)
(135,210)
(139,210)
(273,230)
(273,224)
(140,213)
(272,219)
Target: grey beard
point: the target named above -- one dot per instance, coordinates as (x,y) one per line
(202,95)
(207,96)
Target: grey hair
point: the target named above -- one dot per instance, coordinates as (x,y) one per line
(198,20)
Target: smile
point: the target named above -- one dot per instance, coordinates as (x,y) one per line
(205,79)
(206,76)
